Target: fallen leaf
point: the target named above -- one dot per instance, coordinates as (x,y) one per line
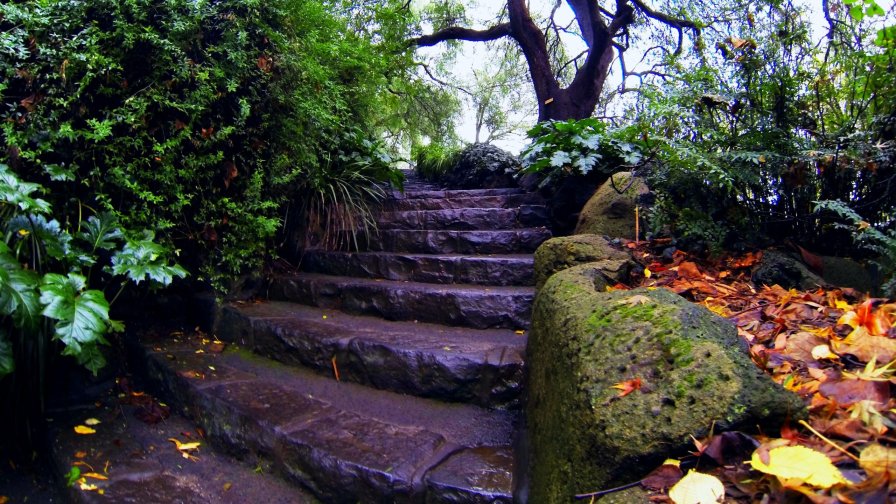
(878,460)
(88,487)
(647,273)
(83,429)
(697,488)
(848,391)
(185,446)
(823,352)
(688,269)
(227,486)
(4,499)
(637,299)
(91,422)
(799,463)
(628,386)
(730,447)
(663,477)
(216,347)
(78,454)
(96,476)
(867,347)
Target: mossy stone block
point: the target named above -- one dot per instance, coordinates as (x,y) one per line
(696,375)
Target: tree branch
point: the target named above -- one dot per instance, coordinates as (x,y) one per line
(460,33)
(678,24)
(443,83)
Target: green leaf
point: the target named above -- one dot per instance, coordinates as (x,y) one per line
(15,192)
(59,172)
(144,259)
(7,364)
(48,234)
(18,291)
(101,232)
(82,317)
(560,158)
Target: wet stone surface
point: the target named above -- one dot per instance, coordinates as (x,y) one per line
(487,471)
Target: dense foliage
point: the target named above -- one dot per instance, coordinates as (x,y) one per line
(136,133)
(754,129)
(193,118)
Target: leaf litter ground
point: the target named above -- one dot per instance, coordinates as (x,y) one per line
(834,347)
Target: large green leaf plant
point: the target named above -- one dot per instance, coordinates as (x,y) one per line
(47,270)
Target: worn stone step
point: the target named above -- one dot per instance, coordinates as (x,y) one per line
(142,466)
(454,193)
(474,306)
(506,269)
(465,218)
(478,366)
(496,201)
(508,241)
(344,442)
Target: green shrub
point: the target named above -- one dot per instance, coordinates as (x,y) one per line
(432,162)
(196,119)
(51,274)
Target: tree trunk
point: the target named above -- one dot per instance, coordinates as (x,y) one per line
(598,26)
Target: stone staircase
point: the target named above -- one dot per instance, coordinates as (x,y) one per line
(388,375)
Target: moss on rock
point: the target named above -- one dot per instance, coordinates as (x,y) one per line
(696,374)
(610,212)
(558,254)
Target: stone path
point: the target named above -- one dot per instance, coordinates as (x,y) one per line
(389,375)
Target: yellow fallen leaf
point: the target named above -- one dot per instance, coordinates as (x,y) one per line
(697,488)
(83,429)
(800,463)
(878,460)
(185,447)
(637,299)
(823,352)
(96,476)
(91,422)
(227,486)
(672,462)
(647,273)
(88,486)
(841,304)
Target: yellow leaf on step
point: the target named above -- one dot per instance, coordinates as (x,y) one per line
(799,463)
(83,429)
(697,488)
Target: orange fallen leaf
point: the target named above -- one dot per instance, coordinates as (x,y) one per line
(78,454)
(688,269)
(628,386)
(96,476)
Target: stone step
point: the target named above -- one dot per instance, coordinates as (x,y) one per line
(499,201)
(454,193)
(478,366)
(509,241)
(507,269)
(142,466)
(344,442)
(474,306)
(465,218)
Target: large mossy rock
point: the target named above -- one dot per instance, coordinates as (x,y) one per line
(564,252)
(695,371)
(483,166)
(611,212)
